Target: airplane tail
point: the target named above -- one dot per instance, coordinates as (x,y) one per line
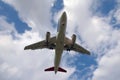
(52,69)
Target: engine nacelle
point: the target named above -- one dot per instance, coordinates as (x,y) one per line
(73,39)
(47,37)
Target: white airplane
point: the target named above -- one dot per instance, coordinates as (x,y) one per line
(59,43)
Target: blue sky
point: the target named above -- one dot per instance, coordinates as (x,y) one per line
(12,16)
(106,6)
(96,24)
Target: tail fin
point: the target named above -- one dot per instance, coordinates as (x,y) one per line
(52,69)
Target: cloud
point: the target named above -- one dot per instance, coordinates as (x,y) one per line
(37,14)
(108,65)
(117,15)
(4,26)
(97,33)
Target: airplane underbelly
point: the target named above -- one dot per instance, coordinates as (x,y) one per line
(59,50)
(60,44)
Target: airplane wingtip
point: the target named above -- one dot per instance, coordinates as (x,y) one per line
(26,48)
(88,53)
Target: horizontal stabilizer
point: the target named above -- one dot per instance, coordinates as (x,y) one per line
(52,69)
(61,70)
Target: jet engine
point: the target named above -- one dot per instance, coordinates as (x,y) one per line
(71,44)
(47,37)
(73,39)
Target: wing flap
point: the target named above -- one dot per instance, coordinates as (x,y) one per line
(80,49)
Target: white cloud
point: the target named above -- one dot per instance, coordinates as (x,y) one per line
(117,15)
(98,34)
(10,70)
(109,64)
(4,26)
(37,14)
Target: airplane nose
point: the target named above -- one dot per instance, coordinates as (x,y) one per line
(63,18)
(64,14)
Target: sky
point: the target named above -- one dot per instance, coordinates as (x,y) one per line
(96,24)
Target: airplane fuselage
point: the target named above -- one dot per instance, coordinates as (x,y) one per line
(60,41)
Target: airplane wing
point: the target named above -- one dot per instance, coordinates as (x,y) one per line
(75,47)
(80,49)
(42,44)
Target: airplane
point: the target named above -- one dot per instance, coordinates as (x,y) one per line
(59,43)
